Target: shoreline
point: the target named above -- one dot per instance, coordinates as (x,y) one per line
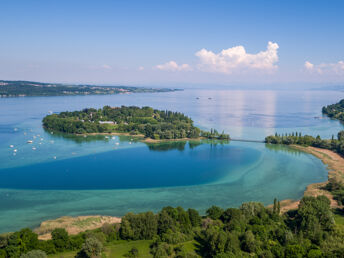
(142,138)
(335,166)
(74,225)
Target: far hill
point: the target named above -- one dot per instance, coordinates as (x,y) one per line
(28,88)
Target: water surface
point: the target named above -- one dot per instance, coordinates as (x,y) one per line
(105,175)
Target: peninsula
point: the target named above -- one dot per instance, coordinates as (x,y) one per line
(151,123)
(335,111)
(28,88)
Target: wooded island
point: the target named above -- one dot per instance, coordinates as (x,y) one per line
(335,111)
(152,123)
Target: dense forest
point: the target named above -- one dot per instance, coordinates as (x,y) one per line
(313,230)
(27,88)
(151,123)
(335,111)
(336,145)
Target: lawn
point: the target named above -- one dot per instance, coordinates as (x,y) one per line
(122,247)
(116,249)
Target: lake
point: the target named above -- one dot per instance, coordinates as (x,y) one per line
(57,175)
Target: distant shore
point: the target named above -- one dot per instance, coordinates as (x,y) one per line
(335,165)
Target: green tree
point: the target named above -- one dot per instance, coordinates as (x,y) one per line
(34,254)
(91,248)
(60,239)
(194,217)
(214,212)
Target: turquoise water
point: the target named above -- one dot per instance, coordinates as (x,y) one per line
(114,175)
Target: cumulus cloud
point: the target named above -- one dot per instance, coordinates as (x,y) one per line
(106,67)
(236,59)
(173,66)
(326,68)
(309,66)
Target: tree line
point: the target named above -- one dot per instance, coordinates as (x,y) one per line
(334,144)
(251,230)
(152,123)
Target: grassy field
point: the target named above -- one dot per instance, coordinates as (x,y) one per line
(116,249)
(122,247)
(339,218)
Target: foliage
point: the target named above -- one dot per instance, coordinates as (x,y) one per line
(152,123)
(91,248)
(214,212)
(140,226)
(335,110)
(337,190)
(34,254)
(336,145)
(60,239)
(133,253)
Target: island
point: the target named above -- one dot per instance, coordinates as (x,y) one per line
(29,88)
(148,122)
(335,111)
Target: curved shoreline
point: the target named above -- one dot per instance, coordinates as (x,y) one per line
(335,166)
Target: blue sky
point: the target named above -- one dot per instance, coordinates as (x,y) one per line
(160,42)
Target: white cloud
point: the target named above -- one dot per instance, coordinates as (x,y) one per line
(173,66)
(141,68)
(309,66)
(326,68)
(236,59)
(106,67)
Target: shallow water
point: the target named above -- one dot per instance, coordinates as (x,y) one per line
(99,175)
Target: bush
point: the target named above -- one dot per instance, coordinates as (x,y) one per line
(34,254)
(91,248)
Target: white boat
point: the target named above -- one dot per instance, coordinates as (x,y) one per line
(54,157)
(11,146)
(29,141)
(15,150)
(129,142)
(15,129)
(41,139)
(117,143)
(33,148)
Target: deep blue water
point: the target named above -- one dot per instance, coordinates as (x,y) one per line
(132,168)
(58,175)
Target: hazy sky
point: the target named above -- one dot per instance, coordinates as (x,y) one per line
(172,42)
